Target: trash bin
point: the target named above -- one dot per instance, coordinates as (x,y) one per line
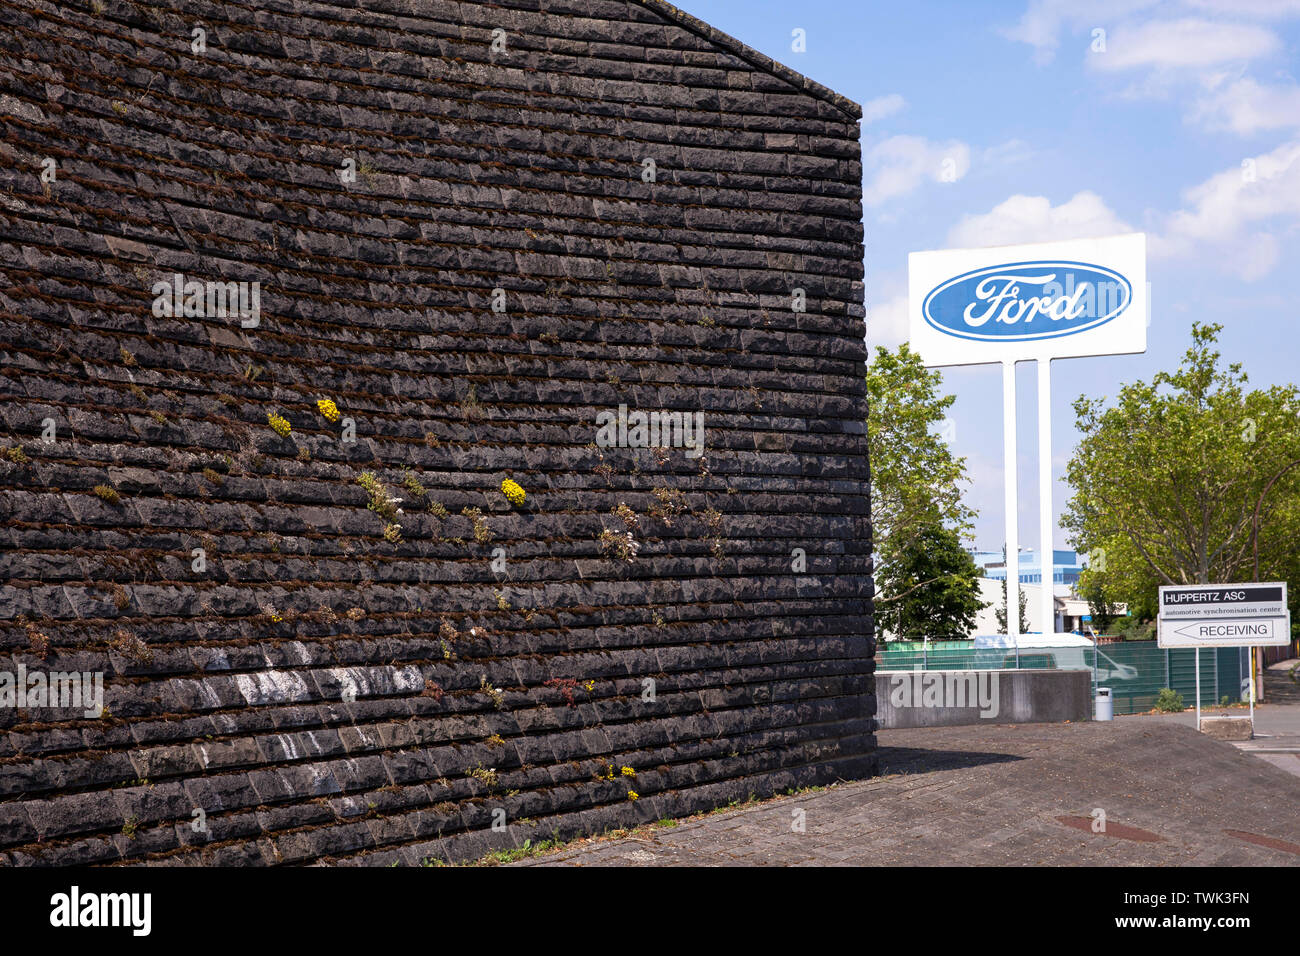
(1105,705)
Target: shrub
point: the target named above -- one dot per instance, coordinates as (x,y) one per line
(1169,701)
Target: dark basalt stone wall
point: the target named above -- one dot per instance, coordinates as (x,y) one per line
(317,685)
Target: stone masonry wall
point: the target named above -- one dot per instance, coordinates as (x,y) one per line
(291,676)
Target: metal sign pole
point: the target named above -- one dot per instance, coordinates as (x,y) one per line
(1198,689)
(1046,564)
(1009,488)
(1251,652)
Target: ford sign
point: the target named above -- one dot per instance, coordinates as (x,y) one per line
(1026,301)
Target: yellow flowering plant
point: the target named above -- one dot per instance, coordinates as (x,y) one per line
(513,491)
(279,424)
(328,408)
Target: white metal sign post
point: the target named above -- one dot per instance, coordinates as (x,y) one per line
(1037,302)
(1223,615)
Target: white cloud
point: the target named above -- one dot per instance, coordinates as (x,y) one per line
(881,107)
(1244,106)
(1043,20)
(898,165)
(1034,219)
(1234,214)
(887,322)
(1259,9)
(1183,44)
(1007,153)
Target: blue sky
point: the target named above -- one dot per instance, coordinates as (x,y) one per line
(1060,131)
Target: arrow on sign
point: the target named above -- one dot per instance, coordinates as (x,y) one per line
(1259,629)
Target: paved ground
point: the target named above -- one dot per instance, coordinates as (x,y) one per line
(1006,794)
(1277,722)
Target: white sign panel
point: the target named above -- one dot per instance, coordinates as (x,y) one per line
(1045,300)
(1224,615)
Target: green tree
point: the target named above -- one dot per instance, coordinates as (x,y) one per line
(934,587)
(1167,480)
(1001,612)
(917,513)
(915,478)
(1094,588)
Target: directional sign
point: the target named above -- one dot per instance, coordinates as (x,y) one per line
(1224,615)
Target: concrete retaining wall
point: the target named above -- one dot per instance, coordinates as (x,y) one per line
(948,698)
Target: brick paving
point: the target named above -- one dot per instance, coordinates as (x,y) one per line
(992,795)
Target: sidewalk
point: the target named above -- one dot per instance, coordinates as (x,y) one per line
(1005,794)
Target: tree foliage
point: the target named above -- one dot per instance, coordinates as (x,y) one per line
(1166,481)
(915,477)
(1001,612)
(918,517)
(933,585)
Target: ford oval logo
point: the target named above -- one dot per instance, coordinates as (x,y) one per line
(1027,300)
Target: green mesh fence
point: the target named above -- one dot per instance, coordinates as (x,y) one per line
(1135,671)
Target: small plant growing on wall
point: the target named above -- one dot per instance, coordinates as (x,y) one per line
(482,533)
(484,775)
(109,494)
(621,546)
(713,520)
(279,424)
(566,686)
(16,455)
(447,637)
(382,501)
(130,646)
(38,643)
(514,492)
(669,503)
(627,516)
(470,408)
(412,484)
(327,408)
(498,698)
